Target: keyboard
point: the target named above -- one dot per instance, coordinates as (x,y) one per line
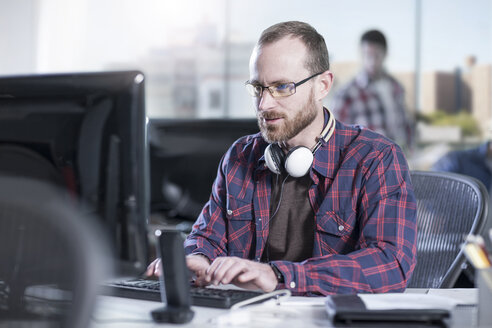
(149,290)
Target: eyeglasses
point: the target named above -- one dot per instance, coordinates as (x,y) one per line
(277,90)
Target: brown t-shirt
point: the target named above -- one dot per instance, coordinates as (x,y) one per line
(291,236)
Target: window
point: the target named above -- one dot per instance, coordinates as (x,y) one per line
(195,54)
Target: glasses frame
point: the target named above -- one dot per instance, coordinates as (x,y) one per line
(272,90)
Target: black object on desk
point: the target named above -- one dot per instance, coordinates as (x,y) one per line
(174,279)
(350,310)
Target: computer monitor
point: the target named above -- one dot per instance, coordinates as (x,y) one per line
(85,132)
(184,158)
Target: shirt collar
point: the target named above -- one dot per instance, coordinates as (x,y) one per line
(326,156)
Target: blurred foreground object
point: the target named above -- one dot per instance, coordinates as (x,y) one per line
(52,257)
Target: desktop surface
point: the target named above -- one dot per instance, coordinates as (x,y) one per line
(293,312)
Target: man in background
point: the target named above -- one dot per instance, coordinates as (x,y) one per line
(373,98)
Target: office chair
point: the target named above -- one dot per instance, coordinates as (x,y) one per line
(449,207)
(52,256)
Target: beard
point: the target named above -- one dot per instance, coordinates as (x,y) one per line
(291,127)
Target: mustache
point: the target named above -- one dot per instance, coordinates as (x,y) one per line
(270,115)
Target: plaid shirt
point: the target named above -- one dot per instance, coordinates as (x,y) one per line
(365,212)
(376,104)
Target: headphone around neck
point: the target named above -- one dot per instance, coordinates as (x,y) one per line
(299,159)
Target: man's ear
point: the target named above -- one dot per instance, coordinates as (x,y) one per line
(324,84)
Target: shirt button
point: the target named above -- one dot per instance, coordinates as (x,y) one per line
(229,212)
(292,284)
(341,227)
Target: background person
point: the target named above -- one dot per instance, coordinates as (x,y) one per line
(373,98)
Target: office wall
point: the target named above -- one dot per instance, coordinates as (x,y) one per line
(18,39)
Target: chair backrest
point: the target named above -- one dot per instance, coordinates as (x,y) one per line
(449,207)
(52,256)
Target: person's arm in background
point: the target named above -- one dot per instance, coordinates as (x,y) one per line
(385,254)
(448,163)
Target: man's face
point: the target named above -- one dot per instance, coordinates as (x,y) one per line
(373,56)
(281,119)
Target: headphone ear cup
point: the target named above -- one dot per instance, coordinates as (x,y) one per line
(274,158)
(298,161)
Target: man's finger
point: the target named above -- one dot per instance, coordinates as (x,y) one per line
(236,269)
(223,269)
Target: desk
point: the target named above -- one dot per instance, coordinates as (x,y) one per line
(296,312)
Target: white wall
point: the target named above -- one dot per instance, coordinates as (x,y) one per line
(18,24)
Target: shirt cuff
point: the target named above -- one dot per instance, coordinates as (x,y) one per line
(292,275)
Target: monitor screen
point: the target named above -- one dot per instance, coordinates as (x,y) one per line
(85,132)
(184,158)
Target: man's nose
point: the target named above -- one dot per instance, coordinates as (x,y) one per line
(266,100)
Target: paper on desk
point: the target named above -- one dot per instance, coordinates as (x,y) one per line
(267,314)
(464,296)
(394,301)
(303,301)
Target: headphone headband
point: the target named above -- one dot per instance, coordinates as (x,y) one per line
(327,131)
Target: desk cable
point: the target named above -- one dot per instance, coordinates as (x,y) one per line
(278,295)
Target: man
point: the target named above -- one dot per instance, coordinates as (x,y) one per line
(373,98)
(348,225)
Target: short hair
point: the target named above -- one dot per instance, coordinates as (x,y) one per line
(376,37)
(317,54)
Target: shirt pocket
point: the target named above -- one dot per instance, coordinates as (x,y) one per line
(240,227)
(335,231)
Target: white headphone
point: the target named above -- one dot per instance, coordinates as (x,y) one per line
(299,159)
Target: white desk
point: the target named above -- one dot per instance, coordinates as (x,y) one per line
(296,312)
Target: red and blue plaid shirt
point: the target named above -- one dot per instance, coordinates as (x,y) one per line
(365,211)
(378,105)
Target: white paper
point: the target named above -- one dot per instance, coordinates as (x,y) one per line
(464,296)
(393,301)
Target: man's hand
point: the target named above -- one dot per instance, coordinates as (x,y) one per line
(197,263)
(154,268)
(242,273)
(225,270)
